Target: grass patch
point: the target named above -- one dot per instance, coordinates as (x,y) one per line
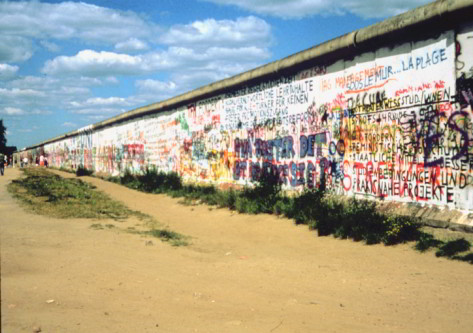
(165,235)
(83,171)
(45,193)
(48,194)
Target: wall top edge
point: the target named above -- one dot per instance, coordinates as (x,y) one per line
(424,15)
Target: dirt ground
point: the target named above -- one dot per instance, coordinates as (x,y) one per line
(240,273)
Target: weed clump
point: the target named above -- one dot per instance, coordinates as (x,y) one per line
(83,171)
(49,194)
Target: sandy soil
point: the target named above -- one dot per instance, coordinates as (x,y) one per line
(240,273)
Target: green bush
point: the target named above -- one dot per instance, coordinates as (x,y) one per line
(83,171)
(305,207)
(261,198)
(226,198)
(329,215)
(128,179)
(398,229)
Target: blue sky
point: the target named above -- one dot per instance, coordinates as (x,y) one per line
(65,65)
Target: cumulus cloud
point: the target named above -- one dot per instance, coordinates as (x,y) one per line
(110,111)
(14,48)
(11,111)
(100,106)
(8,72)
(41,95)
(242,31)
(151,91)
(66,20)
(295,9)
(50,46)
(100,101)
(96,118)
(155,85)
(20,93)
(105,64)
(130,45)
(92,63)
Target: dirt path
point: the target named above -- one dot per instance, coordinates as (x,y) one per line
(240,274)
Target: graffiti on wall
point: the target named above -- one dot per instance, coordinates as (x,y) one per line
(395,124)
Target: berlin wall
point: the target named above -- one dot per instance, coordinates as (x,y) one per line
(393,122)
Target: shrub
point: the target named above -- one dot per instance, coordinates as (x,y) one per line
(261,198)
(305,207)
(328,216)
(83,171)
(128,178)
(226,198)
(398,229)
(284,206)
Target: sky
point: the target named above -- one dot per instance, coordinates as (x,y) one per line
(66,65)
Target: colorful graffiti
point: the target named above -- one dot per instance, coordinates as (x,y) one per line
(395,124)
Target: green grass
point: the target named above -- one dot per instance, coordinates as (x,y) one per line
(48,194)
(174,238)
(45,193)
(83,171)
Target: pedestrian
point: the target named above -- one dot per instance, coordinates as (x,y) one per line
(2,164)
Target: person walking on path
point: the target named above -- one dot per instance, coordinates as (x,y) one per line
(2,164)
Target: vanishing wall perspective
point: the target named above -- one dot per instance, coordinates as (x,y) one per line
(393,124)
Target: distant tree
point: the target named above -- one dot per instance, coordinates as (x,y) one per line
(3,139)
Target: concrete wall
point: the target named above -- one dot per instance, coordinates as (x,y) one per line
(392,122)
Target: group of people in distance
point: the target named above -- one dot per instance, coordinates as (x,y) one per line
(40,161)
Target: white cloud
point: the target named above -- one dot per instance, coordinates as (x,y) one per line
(150,85)
(152,91)
(20,93)
(15,111)
(87,22)
(96,118)
(94,64)
(100,101)
(10,111)
(242,31)
(295,9)
(50,46)
(42,95)
(198,78)
(68,124)
(96,111)
(132,44)
(98,106)
(8,72)
(105,64)
(14,48)
(41,112)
